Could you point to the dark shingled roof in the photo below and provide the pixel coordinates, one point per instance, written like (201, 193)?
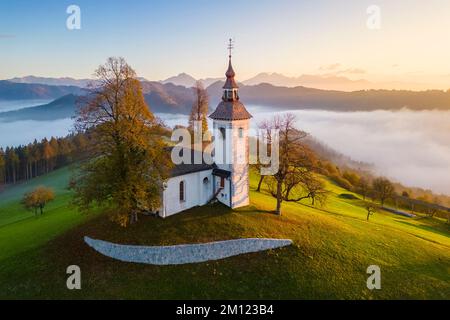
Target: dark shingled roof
(230, 83)
(221, 173)
(186, 168)
(230, 110)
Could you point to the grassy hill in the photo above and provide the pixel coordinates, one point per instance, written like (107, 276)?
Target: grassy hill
(10, 207)
(20, 230)
(333, 246)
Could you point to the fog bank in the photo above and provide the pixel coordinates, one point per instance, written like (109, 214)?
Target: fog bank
(8, 105)
(412, 147)
(23, 132)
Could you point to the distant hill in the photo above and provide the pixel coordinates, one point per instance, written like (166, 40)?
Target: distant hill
(186, 80)
(23, 91)
(162, 98)
(183, 79)
(209, 81)
(177, 99)
(168, 98)
(65, 81)
(61, 108)
(310, 81)
(363, 100)
(318, 81)
(333, 82)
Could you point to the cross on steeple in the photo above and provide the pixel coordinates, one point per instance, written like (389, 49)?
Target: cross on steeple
(230, 47)
(230, 88)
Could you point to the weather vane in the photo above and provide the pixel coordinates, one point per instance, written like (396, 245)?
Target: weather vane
(230, 47)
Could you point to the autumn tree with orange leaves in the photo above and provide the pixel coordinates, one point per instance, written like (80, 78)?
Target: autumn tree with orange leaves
(128, 164)
(38, 199)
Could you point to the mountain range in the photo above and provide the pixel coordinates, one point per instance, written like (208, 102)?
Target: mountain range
(325, 82)
(23, 91)
(318, 81)
(65, 81)
(186, 80)
(177, 99)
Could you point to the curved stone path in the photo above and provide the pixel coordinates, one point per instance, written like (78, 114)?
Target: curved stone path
(187, 253)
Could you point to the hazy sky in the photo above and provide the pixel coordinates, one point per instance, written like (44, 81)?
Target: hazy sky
(163, 38)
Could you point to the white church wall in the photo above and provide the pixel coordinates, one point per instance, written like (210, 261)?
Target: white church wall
(240, 190)
(197, 192)
(239, 172)
(236, 149)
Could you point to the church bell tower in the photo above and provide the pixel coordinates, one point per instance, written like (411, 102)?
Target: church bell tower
(231, 122)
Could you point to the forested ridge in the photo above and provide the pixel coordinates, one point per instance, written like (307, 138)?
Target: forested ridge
(40, 157)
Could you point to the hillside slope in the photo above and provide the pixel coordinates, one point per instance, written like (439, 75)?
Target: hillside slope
(176, 99)
(23, 91)
(333, 247)
(64, 107)
(296, 98)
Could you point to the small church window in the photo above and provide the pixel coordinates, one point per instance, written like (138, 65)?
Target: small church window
(222, 182)
(241, 133)
(182, 193)
(222, 132)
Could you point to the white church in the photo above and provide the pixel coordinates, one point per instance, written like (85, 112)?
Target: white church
(227, 179)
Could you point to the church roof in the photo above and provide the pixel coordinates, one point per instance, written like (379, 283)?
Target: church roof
(221, 173)
(230, 83)
(230, 110)
(186, 168)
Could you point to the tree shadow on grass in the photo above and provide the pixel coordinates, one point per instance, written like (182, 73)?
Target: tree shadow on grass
(426, 228)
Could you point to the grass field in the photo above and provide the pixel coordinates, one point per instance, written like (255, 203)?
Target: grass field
(10, 207)
(21, 230)
(333, 246)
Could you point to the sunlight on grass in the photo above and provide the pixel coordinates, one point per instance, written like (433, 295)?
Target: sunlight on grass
(333, 246)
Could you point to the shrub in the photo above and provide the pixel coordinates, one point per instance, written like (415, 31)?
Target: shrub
(38, 198)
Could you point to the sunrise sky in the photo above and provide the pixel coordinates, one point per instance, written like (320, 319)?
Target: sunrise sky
(163, 38)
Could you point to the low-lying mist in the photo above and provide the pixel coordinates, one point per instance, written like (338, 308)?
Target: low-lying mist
(23, 132)
(411, 147)
(8, 105)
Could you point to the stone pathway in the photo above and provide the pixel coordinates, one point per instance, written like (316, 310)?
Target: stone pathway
(187, 253)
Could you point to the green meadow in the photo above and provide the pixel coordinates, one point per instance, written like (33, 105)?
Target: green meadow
(333, 246)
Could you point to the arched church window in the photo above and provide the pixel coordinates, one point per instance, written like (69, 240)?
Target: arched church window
(205, 180)
(222, 132)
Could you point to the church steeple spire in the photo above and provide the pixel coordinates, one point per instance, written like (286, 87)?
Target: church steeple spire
(230, 108)
(230, 88)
